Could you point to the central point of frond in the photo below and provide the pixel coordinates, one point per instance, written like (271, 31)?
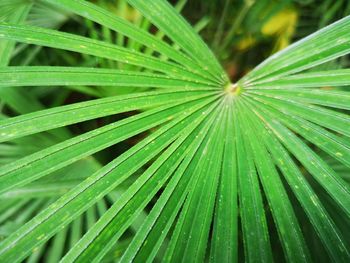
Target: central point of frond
(233, 89)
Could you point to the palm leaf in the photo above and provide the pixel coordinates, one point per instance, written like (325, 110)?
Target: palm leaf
(219, 165)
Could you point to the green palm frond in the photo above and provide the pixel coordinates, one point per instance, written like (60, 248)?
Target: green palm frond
(218, 165)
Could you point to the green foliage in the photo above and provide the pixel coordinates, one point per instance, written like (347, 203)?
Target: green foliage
(171, 162)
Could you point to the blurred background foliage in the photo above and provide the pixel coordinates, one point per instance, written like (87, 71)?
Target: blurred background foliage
(241, 34)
